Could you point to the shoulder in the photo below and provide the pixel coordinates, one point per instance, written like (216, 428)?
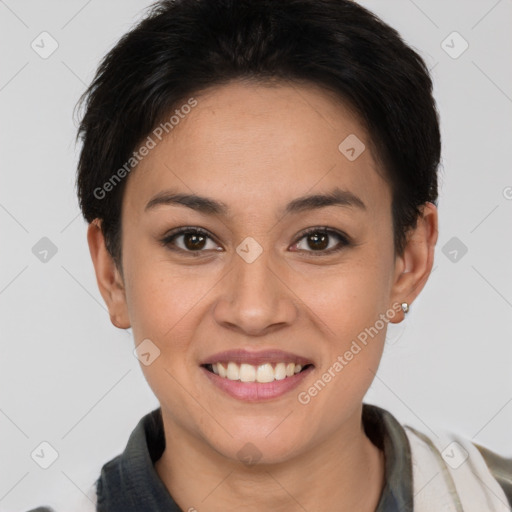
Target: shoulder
(78, 502)
(500, 467)
(450, 466)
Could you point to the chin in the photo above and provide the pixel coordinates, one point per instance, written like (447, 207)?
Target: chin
(260, 449)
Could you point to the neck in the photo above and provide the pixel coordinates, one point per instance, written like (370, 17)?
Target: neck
(345, 472)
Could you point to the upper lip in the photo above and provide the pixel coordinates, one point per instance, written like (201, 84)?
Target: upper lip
(256, 358)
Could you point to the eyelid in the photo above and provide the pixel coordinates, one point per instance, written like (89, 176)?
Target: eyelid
(323, 229)
(345, 240)
(183, 230)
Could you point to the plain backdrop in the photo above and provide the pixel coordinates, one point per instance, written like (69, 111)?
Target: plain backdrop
(68, 377)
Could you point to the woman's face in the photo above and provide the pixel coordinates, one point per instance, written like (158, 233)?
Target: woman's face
(256, 283)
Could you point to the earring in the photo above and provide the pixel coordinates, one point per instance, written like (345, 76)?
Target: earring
(405, 307)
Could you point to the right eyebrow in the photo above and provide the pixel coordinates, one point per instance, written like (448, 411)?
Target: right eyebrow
(201, 204)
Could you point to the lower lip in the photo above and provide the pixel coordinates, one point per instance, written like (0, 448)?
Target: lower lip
(257, 391)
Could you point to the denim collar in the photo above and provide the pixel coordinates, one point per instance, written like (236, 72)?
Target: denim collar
(130, 483)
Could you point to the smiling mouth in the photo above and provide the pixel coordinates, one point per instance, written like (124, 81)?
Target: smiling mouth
(263, 373)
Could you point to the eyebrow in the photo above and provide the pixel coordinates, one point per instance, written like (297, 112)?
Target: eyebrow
(208, 206)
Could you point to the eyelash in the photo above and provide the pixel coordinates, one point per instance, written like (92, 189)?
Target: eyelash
(344, 240)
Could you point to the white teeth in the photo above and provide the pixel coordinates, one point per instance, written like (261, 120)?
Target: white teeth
(262, 373)
(222, 371)
(265, 373)
(247, 372)
(233, 371)
(280, 371)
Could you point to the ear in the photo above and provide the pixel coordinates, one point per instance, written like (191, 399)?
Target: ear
(109, 279)
(414, 266)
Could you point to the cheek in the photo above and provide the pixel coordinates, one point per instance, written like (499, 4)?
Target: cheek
(352, 303)
(350, 297)
(160, 296)
(350, 311)
(165, 307)
(163, 303)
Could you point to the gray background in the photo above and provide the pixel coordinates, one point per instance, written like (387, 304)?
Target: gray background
(69, 377)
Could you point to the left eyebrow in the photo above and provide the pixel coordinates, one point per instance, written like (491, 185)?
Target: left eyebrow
(209, 206)
(336, 197)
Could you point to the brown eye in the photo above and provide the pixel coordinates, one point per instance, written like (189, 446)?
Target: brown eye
(318, 241)
(323, 241)
(194, 242)
(189, 240)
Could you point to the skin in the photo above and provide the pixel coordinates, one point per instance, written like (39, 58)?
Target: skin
(256, 148)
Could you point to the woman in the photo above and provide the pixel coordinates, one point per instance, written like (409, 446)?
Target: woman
(260, 182)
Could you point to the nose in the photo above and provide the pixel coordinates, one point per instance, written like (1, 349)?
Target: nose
(255, 299)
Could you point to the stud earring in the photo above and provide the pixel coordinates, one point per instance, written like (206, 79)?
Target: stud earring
(405, 307)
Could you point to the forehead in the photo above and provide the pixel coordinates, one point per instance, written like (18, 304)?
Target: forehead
(244, 141)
